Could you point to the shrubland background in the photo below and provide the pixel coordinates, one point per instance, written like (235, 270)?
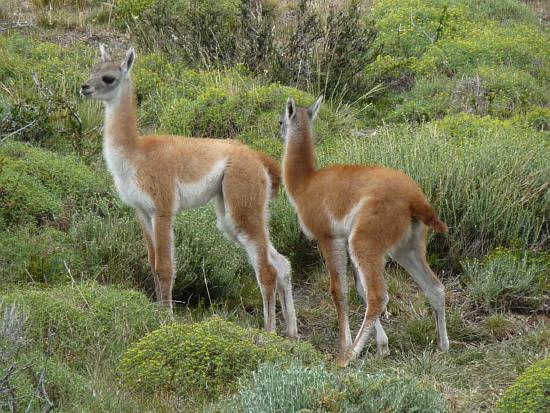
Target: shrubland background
(453, 92)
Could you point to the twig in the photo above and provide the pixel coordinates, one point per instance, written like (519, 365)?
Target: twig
(206, 284)
(17, 25)
(17, 131)
(41, 387)
(430, 38)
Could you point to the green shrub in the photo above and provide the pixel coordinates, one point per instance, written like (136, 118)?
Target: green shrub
(90, 323)
(510, 91)
(65, 176)
(42, 104)
(23, 199)
(517, 46)
(204, 357)
(538, 119)
(68, 389)
(507, 280)
(274, 388)
(298, 388)
(40, 186)
(529, 394)
(31, 256)
(427, 100)
(406, 36)
(463, 126)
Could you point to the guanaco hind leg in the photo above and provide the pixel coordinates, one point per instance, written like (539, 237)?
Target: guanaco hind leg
(411, 255)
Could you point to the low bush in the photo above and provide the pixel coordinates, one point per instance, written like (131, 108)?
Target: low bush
(529, 394)
(41, 187)
(427, 100)
(302, 389)
(90, 324)
(24, 363)
(204, 357)
(28, 255)
(506, 280)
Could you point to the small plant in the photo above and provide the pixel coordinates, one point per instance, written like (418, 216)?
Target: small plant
(204, 357)
(506, 280)
(529, 394)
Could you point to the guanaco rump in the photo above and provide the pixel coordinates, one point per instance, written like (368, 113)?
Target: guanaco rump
(161, 175)
(367, 212)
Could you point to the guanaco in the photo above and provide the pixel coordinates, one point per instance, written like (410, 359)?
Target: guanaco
(162, 175)
(367, 212)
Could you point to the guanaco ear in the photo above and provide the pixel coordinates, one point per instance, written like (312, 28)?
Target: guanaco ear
(105, 56)
(313, 110)
(128, 61)
(290, 110)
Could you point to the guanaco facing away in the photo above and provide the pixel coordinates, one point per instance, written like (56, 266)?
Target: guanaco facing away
(368, 212)
(161, 175)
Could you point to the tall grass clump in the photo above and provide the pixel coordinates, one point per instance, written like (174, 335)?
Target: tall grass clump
(491, 188)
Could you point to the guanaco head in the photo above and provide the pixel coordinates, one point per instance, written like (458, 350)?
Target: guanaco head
(108, 75)
(295, 118)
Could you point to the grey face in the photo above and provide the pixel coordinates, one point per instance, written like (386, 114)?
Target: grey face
(103, 82)
(283, 125)
(107, 76)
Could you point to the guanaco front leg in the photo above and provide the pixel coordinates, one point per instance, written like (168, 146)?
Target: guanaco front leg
(335, 254)
(164, 257)
(146, 225)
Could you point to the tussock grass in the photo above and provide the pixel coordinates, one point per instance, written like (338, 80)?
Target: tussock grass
(492, 190)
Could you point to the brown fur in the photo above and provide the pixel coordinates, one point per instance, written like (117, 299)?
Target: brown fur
(385, 205)
(161, 165)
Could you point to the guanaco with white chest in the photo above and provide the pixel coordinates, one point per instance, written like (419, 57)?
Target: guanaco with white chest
(161, 175)
(368, 212)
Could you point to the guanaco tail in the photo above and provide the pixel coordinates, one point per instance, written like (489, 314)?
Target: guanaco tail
(162, 175)
(368, 213)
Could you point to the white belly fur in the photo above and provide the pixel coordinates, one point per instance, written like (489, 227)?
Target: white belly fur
(194, 194)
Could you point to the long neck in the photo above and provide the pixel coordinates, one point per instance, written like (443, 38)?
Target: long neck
(299, 157)
(121, 129)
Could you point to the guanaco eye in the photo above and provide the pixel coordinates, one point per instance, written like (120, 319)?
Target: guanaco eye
(108, 79)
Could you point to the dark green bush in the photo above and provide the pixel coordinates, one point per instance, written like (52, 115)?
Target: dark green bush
(90, 323)
(203, 31)
(204, 357)
(507, 280)
(529, 394)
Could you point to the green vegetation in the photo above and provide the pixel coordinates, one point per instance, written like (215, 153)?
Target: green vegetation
(301, 389)
(70, 334)
(529, 394)
(204, 357)
(452, 92)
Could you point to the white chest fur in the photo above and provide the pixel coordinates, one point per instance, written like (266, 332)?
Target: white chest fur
(125, 177)
(196, 193)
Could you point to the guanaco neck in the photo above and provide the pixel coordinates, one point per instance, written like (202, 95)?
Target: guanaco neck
(121, 131)
(299, 157)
